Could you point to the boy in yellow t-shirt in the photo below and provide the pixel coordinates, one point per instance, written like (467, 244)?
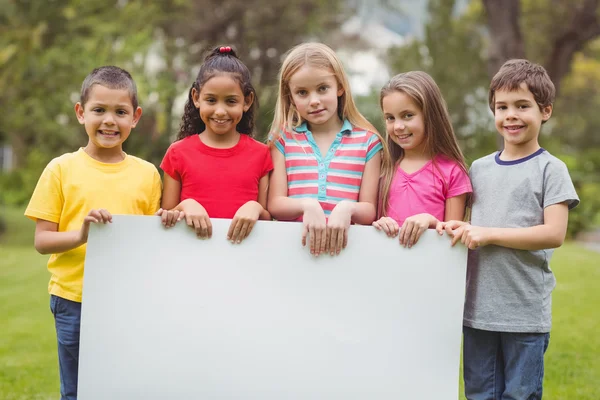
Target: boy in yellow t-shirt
(84, 187)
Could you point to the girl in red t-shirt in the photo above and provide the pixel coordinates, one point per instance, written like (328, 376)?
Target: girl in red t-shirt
(215, 169)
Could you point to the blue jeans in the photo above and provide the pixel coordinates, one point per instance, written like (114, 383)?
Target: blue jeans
(503, 365)
(67, 319)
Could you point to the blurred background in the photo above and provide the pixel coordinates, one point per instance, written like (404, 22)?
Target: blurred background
(48, 47)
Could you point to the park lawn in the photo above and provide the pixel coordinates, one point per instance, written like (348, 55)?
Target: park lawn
(29, 366)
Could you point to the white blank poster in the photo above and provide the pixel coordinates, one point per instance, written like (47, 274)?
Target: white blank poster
(169, 316)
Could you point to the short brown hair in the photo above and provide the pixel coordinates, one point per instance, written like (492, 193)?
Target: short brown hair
(111, 77)
(514, 72)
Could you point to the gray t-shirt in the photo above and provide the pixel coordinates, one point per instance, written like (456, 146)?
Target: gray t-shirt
(510, 290)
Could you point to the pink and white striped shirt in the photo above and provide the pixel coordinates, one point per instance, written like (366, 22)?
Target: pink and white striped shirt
(334, 176)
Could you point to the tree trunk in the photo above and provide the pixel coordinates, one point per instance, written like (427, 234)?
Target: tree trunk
(584, 27)
(506, 41)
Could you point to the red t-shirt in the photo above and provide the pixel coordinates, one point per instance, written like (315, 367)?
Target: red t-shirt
(222, 180)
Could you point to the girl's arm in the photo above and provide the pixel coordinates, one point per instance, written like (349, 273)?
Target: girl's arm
(365, 211)
(171, 193)
(246, 216)
(284, 208)
(362, 212)
(263, 191)
(414, 226)
(455, 208)
(49, 241)
(279, 204)
(195, 215)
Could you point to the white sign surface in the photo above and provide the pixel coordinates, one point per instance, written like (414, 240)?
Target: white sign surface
(169, 316)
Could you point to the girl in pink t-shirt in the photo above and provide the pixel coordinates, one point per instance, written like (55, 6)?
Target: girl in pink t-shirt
(426, 181)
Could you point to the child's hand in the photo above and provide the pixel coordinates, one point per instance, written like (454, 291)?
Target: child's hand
(440, 227)
(94, 216)
(471, 236)
(243, 221)
(413, 227)
(337, 227)
(170, 217)
(196, 217)
(314, 225)
(451, 225)
(388, 225)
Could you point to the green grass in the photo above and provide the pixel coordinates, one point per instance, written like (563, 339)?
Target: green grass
(29, 365)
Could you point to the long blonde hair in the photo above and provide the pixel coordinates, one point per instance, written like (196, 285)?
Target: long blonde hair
(316, 55)
(439, 135)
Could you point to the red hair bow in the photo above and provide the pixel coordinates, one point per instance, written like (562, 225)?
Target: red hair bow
(225, 49)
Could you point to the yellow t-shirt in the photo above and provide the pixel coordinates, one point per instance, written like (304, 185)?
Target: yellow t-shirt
(75, 183)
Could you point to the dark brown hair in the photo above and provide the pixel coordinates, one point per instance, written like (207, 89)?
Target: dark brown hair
(112, 78)
(514, 72)
(219, 62)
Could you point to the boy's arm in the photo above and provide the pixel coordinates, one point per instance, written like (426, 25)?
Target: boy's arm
(49, 241)
(549, 235)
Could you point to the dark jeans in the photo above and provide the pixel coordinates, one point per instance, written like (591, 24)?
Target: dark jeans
(67, 319)
(503, 365)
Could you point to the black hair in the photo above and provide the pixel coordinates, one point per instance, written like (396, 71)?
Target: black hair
(219, 60)
(111, 77)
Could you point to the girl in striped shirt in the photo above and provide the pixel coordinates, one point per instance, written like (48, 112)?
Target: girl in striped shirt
(326, 156)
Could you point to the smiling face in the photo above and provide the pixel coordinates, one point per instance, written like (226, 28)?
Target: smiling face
(518, 118)
(315, 93)
(108, 117)
(404, 122)
(221, 104)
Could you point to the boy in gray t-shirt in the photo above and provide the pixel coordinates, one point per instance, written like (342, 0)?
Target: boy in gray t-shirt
(522, 196)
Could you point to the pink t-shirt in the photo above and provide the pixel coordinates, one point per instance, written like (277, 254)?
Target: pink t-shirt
(426, 190)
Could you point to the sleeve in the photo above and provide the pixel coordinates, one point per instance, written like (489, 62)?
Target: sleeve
(373, 146)
(279, 143)
(170, 164)
(458, 183)
(268, 163)
(156, 194)
(558, 186)
(47, 199)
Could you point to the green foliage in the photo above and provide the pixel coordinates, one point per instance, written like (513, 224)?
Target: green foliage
(16, 187)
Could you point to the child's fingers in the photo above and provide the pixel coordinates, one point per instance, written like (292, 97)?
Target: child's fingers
(159, 212)
(235, 236)
(405, 232)
(232, 228)
(333, 234)
(203, 228)
(304, 233)
(345, 239)
(243, 231)
(249, 229)
(339, 242)
(456, 235)
(439, 227)
(209, 227)
(376, 225)
(323, 247)
(311, 239)
(104, 215)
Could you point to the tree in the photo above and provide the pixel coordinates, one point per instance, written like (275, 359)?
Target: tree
(566, 39)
